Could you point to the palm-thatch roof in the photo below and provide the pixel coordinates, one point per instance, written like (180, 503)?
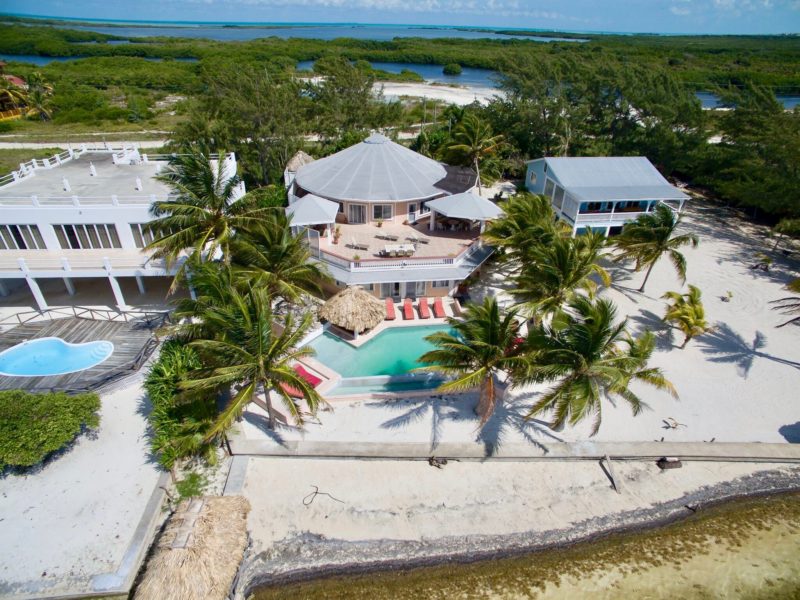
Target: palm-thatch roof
(298, 160)
(354, 309)
(199, 551)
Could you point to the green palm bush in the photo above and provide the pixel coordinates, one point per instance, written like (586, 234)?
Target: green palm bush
(474, 143)
(591, 358)
(650, 237)
(687, 312)
(482, 346)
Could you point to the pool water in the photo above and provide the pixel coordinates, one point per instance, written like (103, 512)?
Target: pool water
(52, 356)
(392, 352)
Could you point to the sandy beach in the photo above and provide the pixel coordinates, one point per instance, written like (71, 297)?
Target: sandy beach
(376, 514)
(445, 93)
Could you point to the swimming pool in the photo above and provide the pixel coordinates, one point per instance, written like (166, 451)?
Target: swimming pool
(392, 352)
(52, 356)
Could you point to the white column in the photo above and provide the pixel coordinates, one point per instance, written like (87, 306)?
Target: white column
(432, 223)
(192, 293)
(140, 284)
(35, 289)
(115, 286)
(329, 234)
(69, 285)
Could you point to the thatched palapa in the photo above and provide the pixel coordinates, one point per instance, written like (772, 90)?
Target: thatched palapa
(199, 551)
(354, 309)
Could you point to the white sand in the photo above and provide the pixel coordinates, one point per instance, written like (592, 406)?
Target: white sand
(396, 500)
(76, 517)
(728, 389)
(446, 93)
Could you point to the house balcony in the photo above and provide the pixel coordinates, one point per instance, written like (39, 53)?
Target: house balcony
(80, 263)
(357, 257)
(606, 217)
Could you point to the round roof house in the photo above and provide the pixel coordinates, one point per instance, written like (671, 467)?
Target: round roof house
(375, 170)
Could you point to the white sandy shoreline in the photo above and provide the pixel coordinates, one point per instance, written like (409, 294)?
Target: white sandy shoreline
(413, 514)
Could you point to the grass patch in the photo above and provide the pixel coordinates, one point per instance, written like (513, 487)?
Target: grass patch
(34, 426)
(10, 159)
(191, 486)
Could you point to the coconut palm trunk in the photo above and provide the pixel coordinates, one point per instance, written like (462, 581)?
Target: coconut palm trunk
(647, 275)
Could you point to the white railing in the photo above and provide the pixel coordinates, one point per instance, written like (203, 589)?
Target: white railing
(83, 312)
(617, 217)
(107, 262)
(62, 201)
(382, 264)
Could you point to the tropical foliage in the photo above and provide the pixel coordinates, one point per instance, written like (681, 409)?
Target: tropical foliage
(252, 352)
(789, 305)
(591, 358)
(687, 313)
(34, 426)
(650, 237)
(480, 347)
(473, 144)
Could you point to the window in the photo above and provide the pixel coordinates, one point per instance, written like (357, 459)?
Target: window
(558, 197)
(533, 178)
(381, 211)
(142, 236)
(87, 237)
(20, 237)
(443, 283)
(548, 188)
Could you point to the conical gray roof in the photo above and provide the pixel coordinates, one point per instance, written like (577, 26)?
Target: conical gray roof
(374, 170)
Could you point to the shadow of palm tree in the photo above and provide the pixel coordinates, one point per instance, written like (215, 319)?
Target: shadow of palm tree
(437, 408)
(646, 320)
(509, 417)
(724, 345)
(262, 422)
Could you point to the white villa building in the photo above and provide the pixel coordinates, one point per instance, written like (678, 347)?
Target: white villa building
(601, 193)
(79, 215)
(388, 219)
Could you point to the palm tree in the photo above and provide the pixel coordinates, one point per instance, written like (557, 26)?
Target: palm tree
(38, 104)
(687, 312)
(10, 93)
(652, 235)
(592, 358)
(203, 212)
(473, 141)
(791, 304)
(253, 354)
(275, 258)
(528, 221)
(481, 346)
(553, 274)
(790, 227)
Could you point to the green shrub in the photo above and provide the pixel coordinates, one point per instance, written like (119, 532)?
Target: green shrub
(33, 426)
(191, 486)
(178, 421)
(452, 69)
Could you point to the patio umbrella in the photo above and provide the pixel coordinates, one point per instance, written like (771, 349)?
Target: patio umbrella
(354, 309)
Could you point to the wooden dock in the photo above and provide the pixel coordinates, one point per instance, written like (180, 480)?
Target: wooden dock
(133, 342)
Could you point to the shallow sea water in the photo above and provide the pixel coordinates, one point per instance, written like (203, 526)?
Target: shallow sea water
(748, 548)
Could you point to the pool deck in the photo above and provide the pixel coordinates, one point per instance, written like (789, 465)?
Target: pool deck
(133, 341)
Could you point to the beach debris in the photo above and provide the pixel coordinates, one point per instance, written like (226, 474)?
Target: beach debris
(437, 462)
(605, 464)
(690, 507)
(670, 423)
(665, 462)
(309, 499)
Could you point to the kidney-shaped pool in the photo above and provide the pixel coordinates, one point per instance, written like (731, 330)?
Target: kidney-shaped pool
(52, 356)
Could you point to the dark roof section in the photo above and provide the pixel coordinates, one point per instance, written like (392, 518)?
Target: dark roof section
(457, 180)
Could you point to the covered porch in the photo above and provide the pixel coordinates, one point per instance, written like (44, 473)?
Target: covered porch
(462, 212)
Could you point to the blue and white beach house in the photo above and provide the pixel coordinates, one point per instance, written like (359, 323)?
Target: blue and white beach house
(601, 193)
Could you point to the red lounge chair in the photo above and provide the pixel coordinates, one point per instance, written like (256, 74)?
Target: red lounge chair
(390, 316)
(408, 310)
(312, 380)
(438, 309)
(424, 311)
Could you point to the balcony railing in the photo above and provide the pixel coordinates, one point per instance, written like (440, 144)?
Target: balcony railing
(607, 217)
(77, 261)
(396, 264)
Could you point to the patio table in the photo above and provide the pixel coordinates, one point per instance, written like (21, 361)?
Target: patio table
(399, 248)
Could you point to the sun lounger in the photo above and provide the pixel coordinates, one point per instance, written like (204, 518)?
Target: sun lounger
(408, 310)
(424, 311)
(311, 379)
(390, 316)
(438, 309)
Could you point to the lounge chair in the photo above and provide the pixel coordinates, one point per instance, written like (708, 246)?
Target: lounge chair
(357, 245)
(408, 310)
(438, 309)
(311, 379)
(391, 238)
(390, 316)
(423, 240)
(424, 311)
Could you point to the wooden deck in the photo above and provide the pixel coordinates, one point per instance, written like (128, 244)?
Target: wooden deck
(133, 342)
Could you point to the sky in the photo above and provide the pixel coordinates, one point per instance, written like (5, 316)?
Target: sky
(653, 16)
